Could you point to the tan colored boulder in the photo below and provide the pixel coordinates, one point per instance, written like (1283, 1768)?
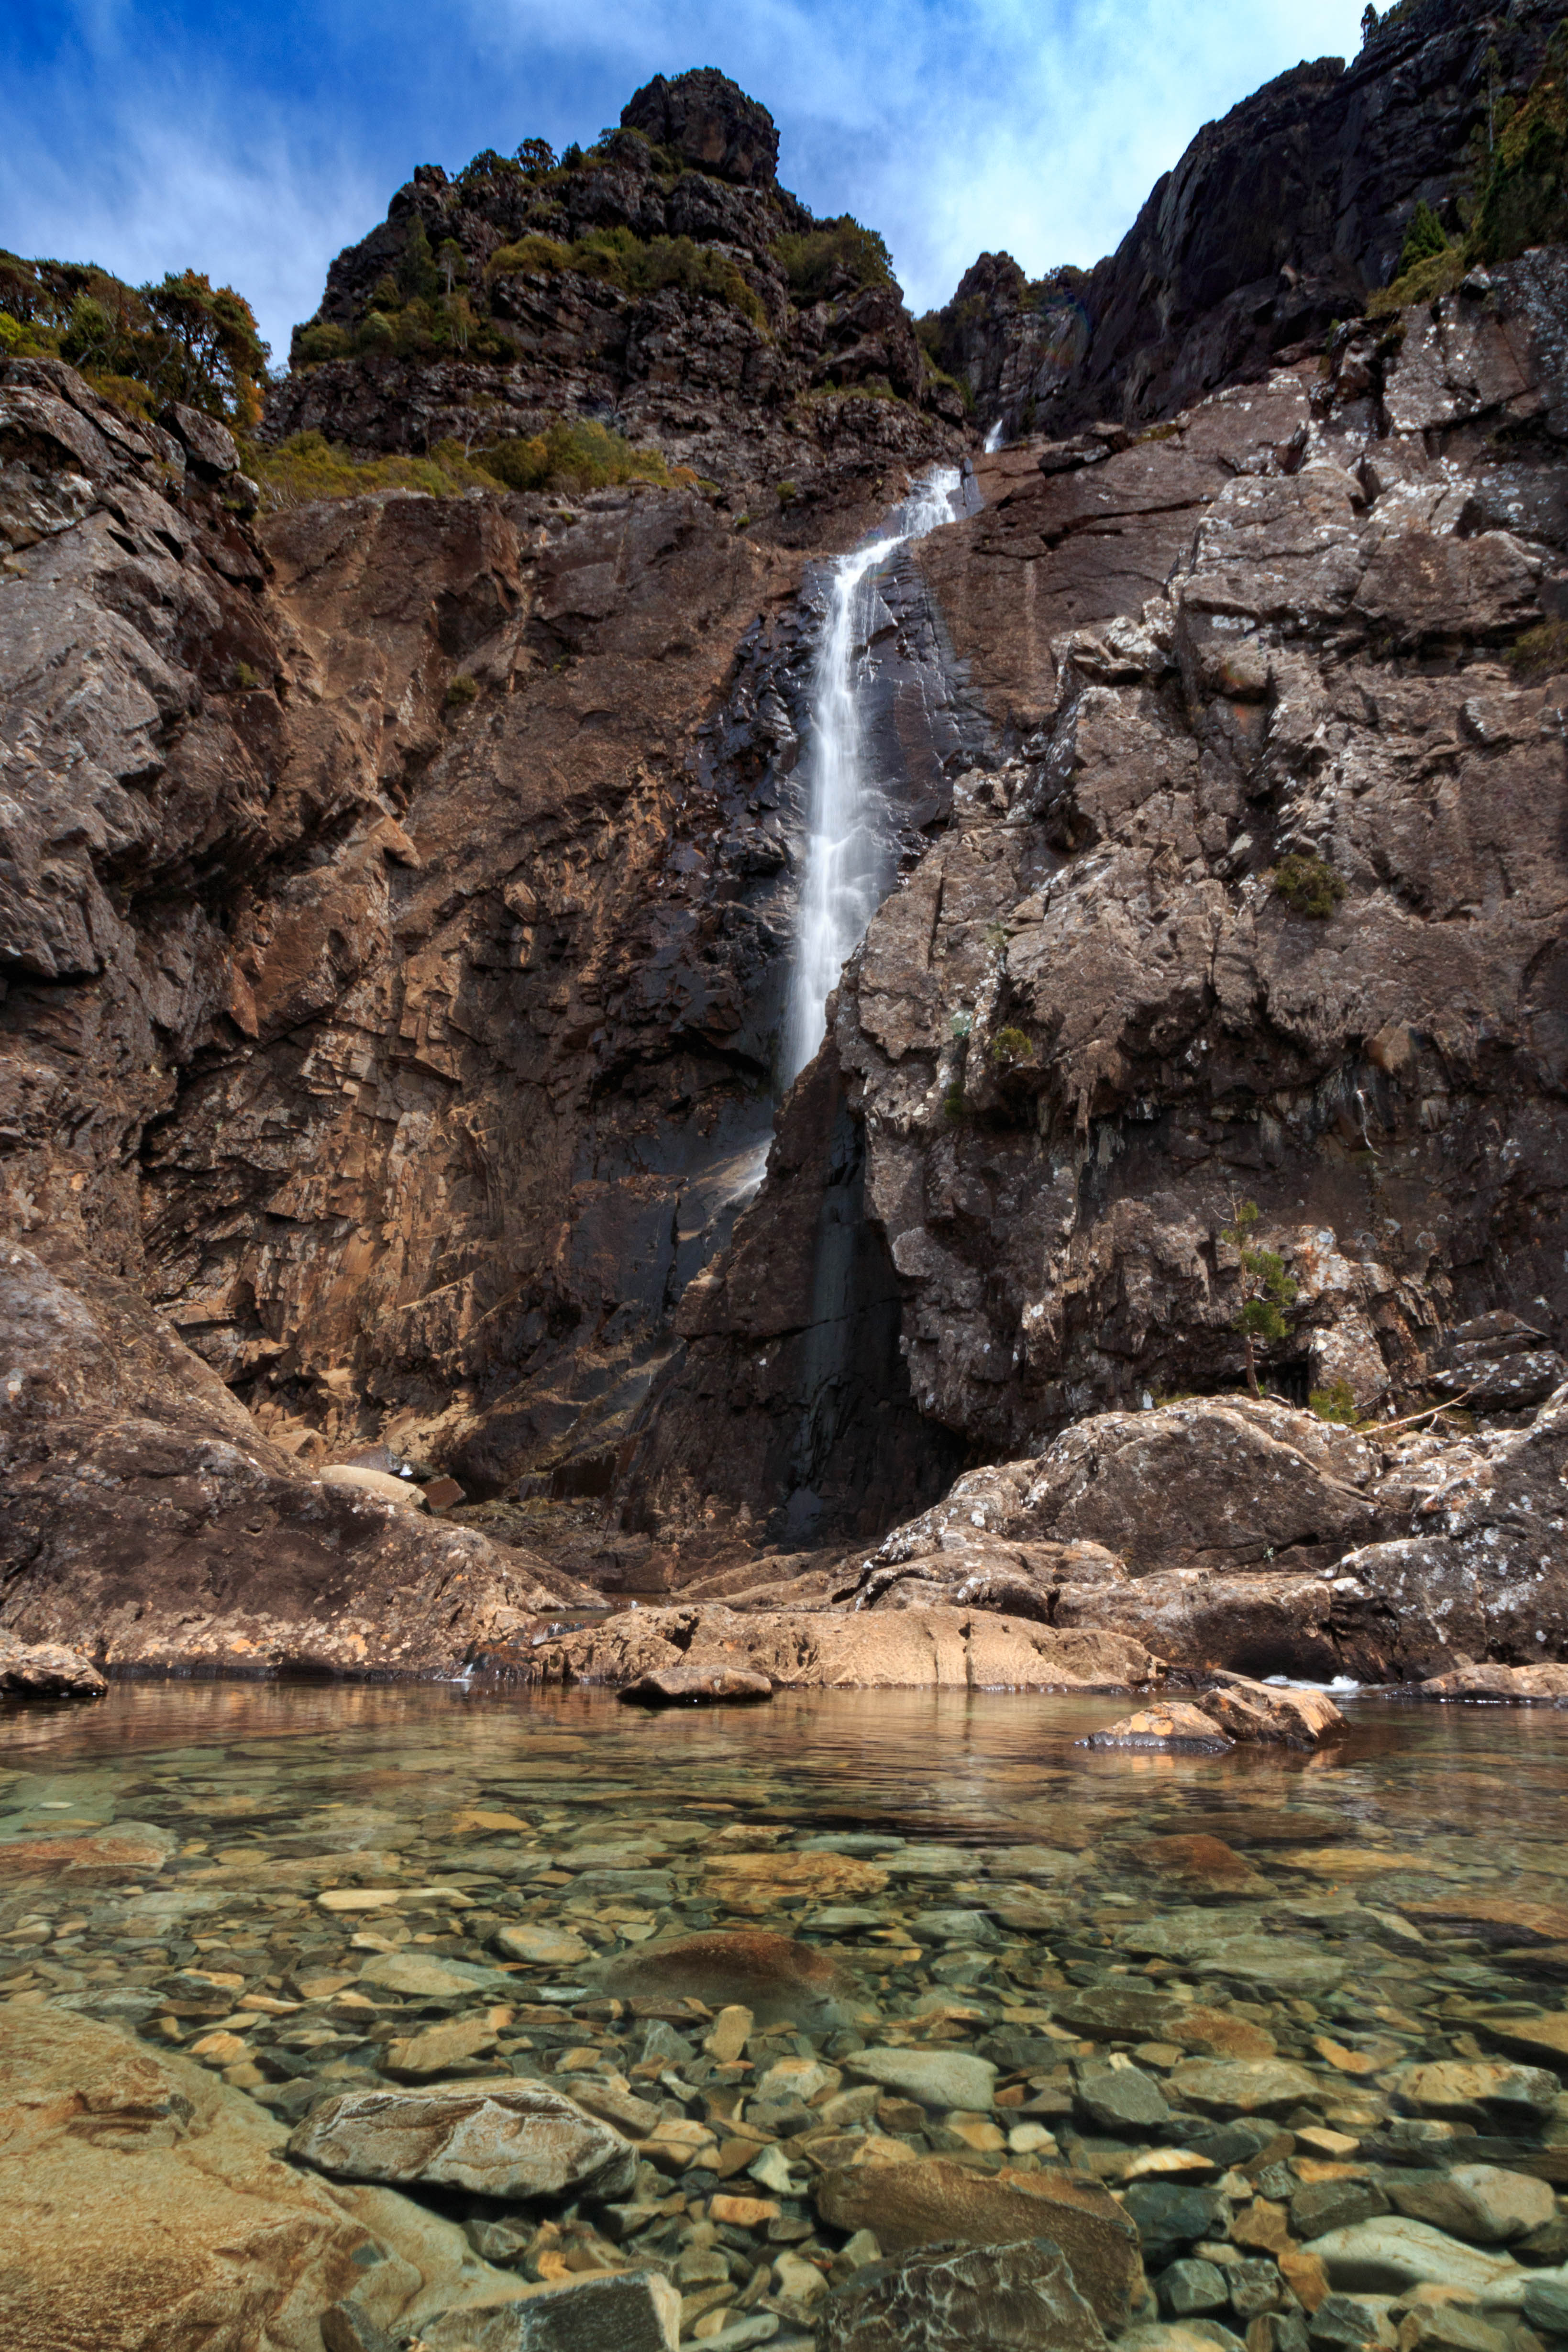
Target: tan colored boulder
(379, 1483)
(126, 1850)
(149, 2204)
(698, 1686)
(919, 1649)
(1262, 1714)
(46, 1670)
(1515, 1684)
(1166, 1726)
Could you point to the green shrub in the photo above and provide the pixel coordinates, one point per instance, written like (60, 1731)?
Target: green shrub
(1437, 275)
(814, 259)
(1009, 1047)
(538, 255)
(460, 691)
(1541, 652)
(246, 678)
(1525, 199)
(306, 467)
(787, 493)
(321, 341)
(574, 452)
(1308, 885)
(1424, 240)
(1336, 1401)
(952, 1104)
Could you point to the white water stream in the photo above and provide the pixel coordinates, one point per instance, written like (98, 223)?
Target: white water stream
(850, 858)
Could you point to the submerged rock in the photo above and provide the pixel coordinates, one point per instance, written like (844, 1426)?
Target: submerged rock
(958, 2299)
(772, 1975)
(637, 2311)
(502, 2140)
(148, 2201)
(934, 2201)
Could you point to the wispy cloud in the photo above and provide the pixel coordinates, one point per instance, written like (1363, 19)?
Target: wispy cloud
(254, 148)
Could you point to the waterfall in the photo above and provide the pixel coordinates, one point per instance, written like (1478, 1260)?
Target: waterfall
(993, 441)
(850, 858)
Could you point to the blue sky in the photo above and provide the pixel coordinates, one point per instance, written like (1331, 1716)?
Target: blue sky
(253, 141)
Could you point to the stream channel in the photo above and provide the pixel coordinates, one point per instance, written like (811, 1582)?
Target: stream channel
(1300, 2018)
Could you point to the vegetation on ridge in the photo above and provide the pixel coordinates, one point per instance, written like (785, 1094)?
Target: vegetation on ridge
(183, 339)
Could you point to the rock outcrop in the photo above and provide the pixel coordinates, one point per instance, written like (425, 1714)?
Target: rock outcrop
(664, 278)
(936, 1649)
(43, 1670)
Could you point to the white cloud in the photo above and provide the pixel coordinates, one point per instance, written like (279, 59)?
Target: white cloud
(180, 191)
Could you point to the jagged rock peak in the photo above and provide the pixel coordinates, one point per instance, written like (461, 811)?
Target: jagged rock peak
(708, 120)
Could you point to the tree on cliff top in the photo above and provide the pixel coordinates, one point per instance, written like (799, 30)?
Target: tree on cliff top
(183, 339)
(1266, 1287)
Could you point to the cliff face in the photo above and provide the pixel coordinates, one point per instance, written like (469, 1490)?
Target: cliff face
(398, 895)
(1261, 897)
(1278, 222)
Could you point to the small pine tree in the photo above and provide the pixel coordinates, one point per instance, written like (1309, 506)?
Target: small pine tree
(537, 156)
(1266, 1287)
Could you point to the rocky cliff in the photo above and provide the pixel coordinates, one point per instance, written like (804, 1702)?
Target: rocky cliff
(398, 895)
(664, 280)
(1257, 896)
(1277, 223)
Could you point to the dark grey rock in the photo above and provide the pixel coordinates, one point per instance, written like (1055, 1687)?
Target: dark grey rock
(957, 2298)
(1194, 2286)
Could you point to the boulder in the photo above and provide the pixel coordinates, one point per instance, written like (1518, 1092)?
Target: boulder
(1517, 1685)
(1388, 2255)
(508, 2139)
(1259, 1714)
(934, 2202)
(144, 2195)
(46, 1670)
(937, 2078)
(1481, 2204)
(634, 2310)
(382, 1484)
(954, 2299)
(1174, 1725)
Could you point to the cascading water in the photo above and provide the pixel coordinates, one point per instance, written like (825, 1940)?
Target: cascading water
(993, 441)
(851, 855)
